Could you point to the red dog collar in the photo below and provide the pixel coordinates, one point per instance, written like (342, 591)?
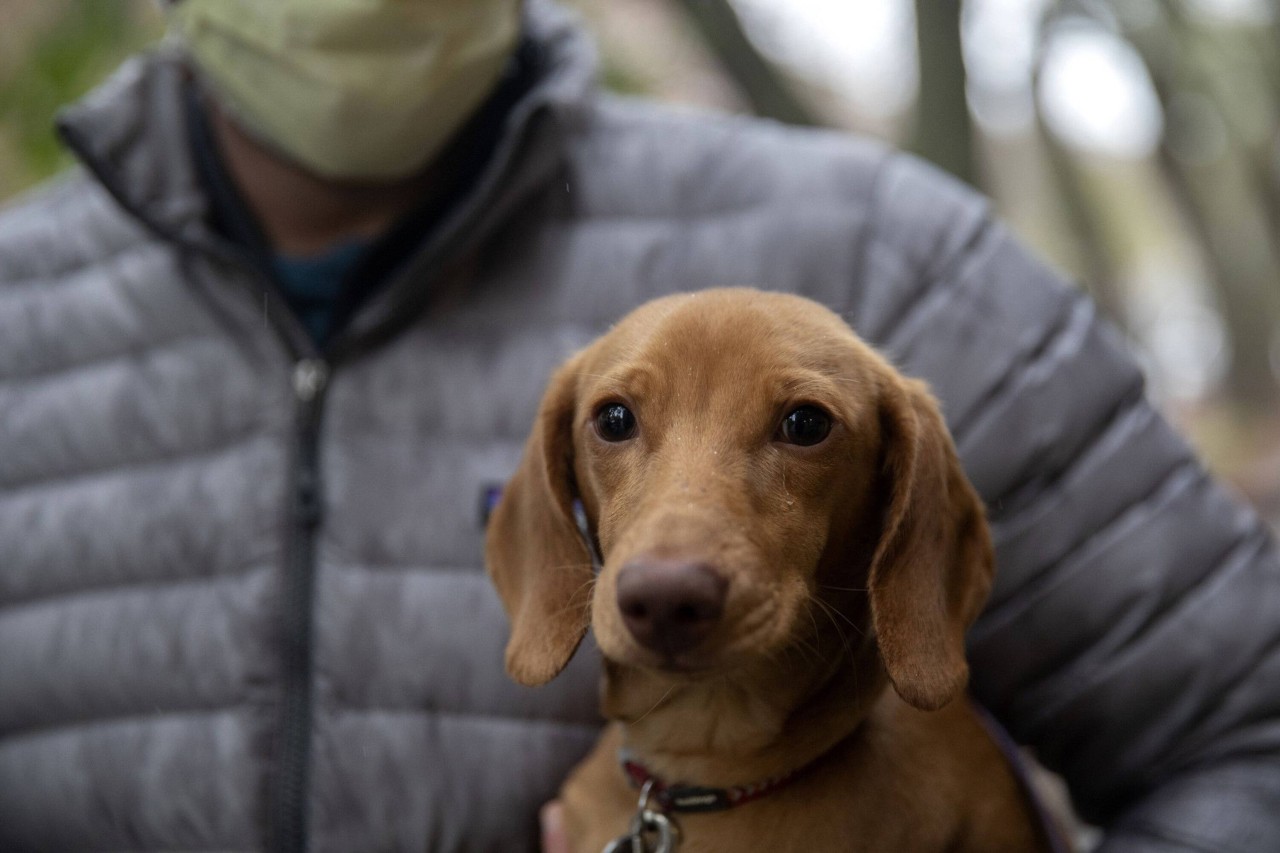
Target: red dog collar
(680, 797)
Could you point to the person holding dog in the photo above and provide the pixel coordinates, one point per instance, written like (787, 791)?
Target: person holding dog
(267, 356)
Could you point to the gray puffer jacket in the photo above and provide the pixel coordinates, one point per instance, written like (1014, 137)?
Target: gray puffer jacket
(241, 597)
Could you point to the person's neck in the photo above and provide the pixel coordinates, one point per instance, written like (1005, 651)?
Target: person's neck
(301, 213)
(756, 723)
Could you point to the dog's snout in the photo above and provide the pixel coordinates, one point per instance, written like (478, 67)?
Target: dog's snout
(670, 606)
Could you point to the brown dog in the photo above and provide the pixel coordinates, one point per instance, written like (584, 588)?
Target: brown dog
(785, 531)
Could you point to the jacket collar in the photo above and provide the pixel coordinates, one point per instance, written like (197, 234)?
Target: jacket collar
(132, 134)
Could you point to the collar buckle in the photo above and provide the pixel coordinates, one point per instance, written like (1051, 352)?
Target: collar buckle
(651, 830)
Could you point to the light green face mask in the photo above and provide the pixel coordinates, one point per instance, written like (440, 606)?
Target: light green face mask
(350, 89)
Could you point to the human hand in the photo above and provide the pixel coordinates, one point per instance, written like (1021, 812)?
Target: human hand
(552, 819)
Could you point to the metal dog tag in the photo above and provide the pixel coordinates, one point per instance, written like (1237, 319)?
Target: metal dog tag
(650, 832)
(628, 843)
(632, 842)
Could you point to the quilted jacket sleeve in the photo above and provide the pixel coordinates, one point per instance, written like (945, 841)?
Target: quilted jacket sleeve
(1133, 637)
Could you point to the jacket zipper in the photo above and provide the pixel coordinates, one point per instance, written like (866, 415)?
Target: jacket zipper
(288, 796)
(310, 380)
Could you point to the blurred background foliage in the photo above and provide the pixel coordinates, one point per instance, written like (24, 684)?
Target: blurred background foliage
(51, 52)
(1134, 143)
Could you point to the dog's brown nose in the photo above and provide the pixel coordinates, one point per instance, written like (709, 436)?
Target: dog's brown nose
(670, 606)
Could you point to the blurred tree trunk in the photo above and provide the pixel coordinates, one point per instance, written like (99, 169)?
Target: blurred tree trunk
(1247, 278)
(1225, 204)
(1093, 253)
(943, 129)
(1258, 158)
(1096, 264)
(764, 88)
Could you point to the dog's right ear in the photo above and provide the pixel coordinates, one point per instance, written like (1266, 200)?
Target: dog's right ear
(933, 565)
(535, 554)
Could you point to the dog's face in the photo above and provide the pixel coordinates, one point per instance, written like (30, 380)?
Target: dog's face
(719, 449)
(739, 455)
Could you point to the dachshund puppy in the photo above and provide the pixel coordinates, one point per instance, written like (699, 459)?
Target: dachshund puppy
(789, 557)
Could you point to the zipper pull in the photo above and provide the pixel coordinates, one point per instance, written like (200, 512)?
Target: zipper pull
(309, 378)
(310, 375)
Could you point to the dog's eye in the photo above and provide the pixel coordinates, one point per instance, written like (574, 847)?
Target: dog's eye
(615, 422)
(805, 426)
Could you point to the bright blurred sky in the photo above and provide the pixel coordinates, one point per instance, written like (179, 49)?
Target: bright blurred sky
(1095, 92)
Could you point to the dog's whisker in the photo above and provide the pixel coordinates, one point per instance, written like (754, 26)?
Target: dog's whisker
(584, 617)
(831, 613)
(584, 605)
(835, 610)
(813, 619)
(814, 644)
(844, 588)
(567, 566)
(826, 611)
(809, 649)
(662, 699)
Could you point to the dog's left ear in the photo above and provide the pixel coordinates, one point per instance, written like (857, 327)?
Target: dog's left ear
(535, 554)
(933, 565)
